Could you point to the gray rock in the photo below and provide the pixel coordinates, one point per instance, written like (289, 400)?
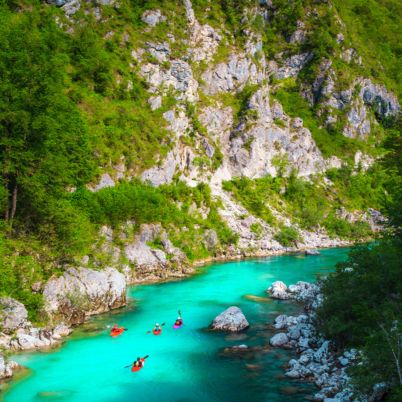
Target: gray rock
(153, 17)
(61, 330)
(13, 315)
(81, 292)
(232, 319)
(312, 252)
(105, 181)
(284, 321)
(155, 102)
(232, 75)
(280, 339)
(293, 65)
(6, 367)
(160, 51)
(211, 239)
(209, 149)
(294, 333)
(278, 290)
(322, 352)
(71, 7)
(383, 102)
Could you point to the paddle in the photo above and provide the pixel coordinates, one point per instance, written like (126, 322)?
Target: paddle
(145, 357)
(148, 332)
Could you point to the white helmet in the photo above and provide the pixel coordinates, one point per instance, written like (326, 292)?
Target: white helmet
(157, 324)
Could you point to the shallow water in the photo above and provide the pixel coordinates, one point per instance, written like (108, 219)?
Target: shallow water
(187, 364)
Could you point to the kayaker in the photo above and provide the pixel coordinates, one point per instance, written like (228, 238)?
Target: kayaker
(179, 320)
(157, 328)
(115, 328)
(138, 362)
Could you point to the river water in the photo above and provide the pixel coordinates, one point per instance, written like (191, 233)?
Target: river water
(187, 364)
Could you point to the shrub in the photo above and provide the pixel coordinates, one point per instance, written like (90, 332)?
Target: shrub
(287, 236)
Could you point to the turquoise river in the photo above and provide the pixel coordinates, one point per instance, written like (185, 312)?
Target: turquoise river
(185, 365)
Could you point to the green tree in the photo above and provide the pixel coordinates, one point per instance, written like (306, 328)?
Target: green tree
(44, 143)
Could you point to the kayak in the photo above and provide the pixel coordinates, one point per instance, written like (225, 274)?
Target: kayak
(116, 332)
(135, 368)
(155, 332)
(175, 326)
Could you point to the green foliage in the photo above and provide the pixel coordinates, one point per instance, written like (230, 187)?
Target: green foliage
(256, 229)
(373, 29)
(310, 203)
(362, 299)
(362, 309)
(338, 227)
(287, 236)
(143, 203)
(18, 271)
(254, 195)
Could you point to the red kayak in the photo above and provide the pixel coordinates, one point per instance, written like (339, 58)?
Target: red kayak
(155, 332)
(116, 332)
(138, 368)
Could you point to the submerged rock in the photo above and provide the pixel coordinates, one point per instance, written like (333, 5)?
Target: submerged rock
(231, 319)
(312, 252)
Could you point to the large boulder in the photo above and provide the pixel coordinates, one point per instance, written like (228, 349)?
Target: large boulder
(6, 367)
(13, 315)
(82, 292)
(231, 319)
(278, 290)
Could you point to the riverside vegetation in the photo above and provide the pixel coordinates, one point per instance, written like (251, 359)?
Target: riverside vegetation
(247, 126)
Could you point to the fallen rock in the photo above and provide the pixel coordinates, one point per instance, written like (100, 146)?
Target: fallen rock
(13, 315)
(280, 339)
(232, 320)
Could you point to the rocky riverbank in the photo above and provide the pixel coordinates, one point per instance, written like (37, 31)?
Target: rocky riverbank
(81, 292)
(318, 360)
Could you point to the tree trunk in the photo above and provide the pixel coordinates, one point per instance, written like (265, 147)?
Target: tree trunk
(14, 202)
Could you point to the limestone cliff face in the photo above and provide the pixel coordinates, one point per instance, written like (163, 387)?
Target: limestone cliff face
(259, 139)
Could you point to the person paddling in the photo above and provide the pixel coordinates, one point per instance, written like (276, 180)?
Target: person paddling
(179, 320)
(139, 362)
(157, 328)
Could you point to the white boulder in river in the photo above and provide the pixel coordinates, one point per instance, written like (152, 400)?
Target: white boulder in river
(231, 319)
(278, 290)
(81, 292)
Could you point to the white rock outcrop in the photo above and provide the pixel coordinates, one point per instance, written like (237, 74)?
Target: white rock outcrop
(7, 367)
(232, 319)
(81, 292)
